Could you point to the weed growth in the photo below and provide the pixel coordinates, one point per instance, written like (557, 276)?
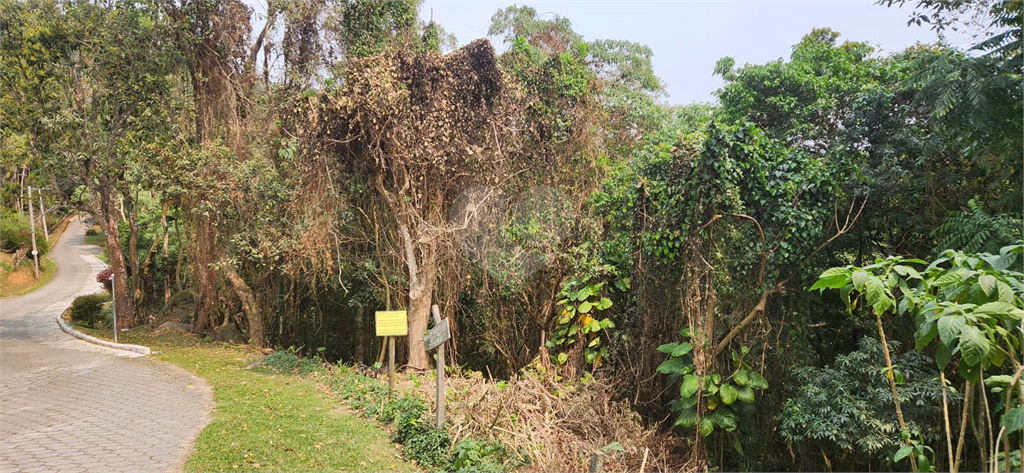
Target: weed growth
(289, 362)
(429, 446)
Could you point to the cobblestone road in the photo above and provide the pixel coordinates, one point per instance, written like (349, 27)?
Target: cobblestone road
(67, 405)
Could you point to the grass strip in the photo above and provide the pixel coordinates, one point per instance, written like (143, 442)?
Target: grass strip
(265, 421)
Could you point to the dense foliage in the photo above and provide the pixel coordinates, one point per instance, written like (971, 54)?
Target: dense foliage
(286, 183)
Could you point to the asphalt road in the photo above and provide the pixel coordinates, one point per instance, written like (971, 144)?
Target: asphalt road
(67, 405)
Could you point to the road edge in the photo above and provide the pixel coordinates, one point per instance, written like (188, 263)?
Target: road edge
(67, 328)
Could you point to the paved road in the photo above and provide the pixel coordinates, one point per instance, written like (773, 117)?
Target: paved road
(67, 405)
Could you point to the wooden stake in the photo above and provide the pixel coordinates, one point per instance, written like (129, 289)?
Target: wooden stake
(391, 366)
(596, 463)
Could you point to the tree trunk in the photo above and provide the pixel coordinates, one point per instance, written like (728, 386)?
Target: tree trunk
(21, 195)
(422, 275)
(133, 256)
(144, 279)
(250, 306)
(164, 256)
(359, 348)
(203, 243)
(107, 218)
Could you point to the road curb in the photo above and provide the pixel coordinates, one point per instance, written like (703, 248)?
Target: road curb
(66, 327)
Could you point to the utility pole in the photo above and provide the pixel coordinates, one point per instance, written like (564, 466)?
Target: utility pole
(32, 224)
(42, 216)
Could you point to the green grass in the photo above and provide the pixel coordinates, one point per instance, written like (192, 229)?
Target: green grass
(47, 270)
(96, 239)
(265, 421)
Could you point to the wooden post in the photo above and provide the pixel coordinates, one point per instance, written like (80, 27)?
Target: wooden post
(596, 462)
(391, 324)
(391, 366)
(32, 225)
(440, 371)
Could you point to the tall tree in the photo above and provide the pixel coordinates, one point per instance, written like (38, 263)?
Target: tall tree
(113, 95)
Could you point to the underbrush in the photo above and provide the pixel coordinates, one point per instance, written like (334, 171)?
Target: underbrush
(528, 423)
(413, 425)
(289, 362)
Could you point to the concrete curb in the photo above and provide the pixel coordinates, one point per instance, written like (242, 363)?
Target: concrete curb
(119, 346)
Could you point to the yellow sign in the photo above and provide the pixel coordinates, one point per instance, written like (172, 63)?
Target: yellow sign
(391, 323)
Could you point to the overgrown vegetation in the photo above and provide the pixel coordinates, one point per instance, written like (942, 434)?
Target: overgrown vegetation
(623, 270)
(429, 446)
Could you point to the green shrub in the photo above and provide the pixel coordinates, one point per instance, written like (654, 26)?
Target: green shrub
(289, 362)
(473, 455)
(362, 392)
(428, 445)
(424, 443)
(845, 410)
(87, 310)
(403, 411)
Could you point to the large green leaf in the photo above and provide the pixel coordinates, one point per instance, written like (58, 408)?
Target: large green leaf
(604, 303)
(998, 309)
(725, 419)
(987, 283)
(832, 278)
(877, 296)
(689, 386)
(742, 377)
(859, 277)
(667, 348)
(585, 307)
(687, 418)
(949, 328)
(927, 330)
(902, 453)
(974, 346)
(682, 349)
(745, 394)
(947, 279)
(705, 427)
(757, 381)
(837, 271)
(943, 354)
(1006, 293)
(728, 393)
(1013, 420)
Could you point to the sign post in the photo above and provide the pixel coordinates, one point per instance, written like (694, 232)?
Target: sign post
(391, 324)
(435, 338)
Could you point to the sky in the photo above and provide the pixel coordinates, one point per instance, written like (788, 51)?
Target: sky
(688, 37)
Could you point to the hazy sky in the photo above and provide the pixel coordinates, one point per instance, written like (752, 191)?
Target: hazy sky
(688, 37)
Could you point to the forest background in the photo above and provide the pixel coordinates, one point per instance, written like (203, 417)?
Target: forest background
(280, 186)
